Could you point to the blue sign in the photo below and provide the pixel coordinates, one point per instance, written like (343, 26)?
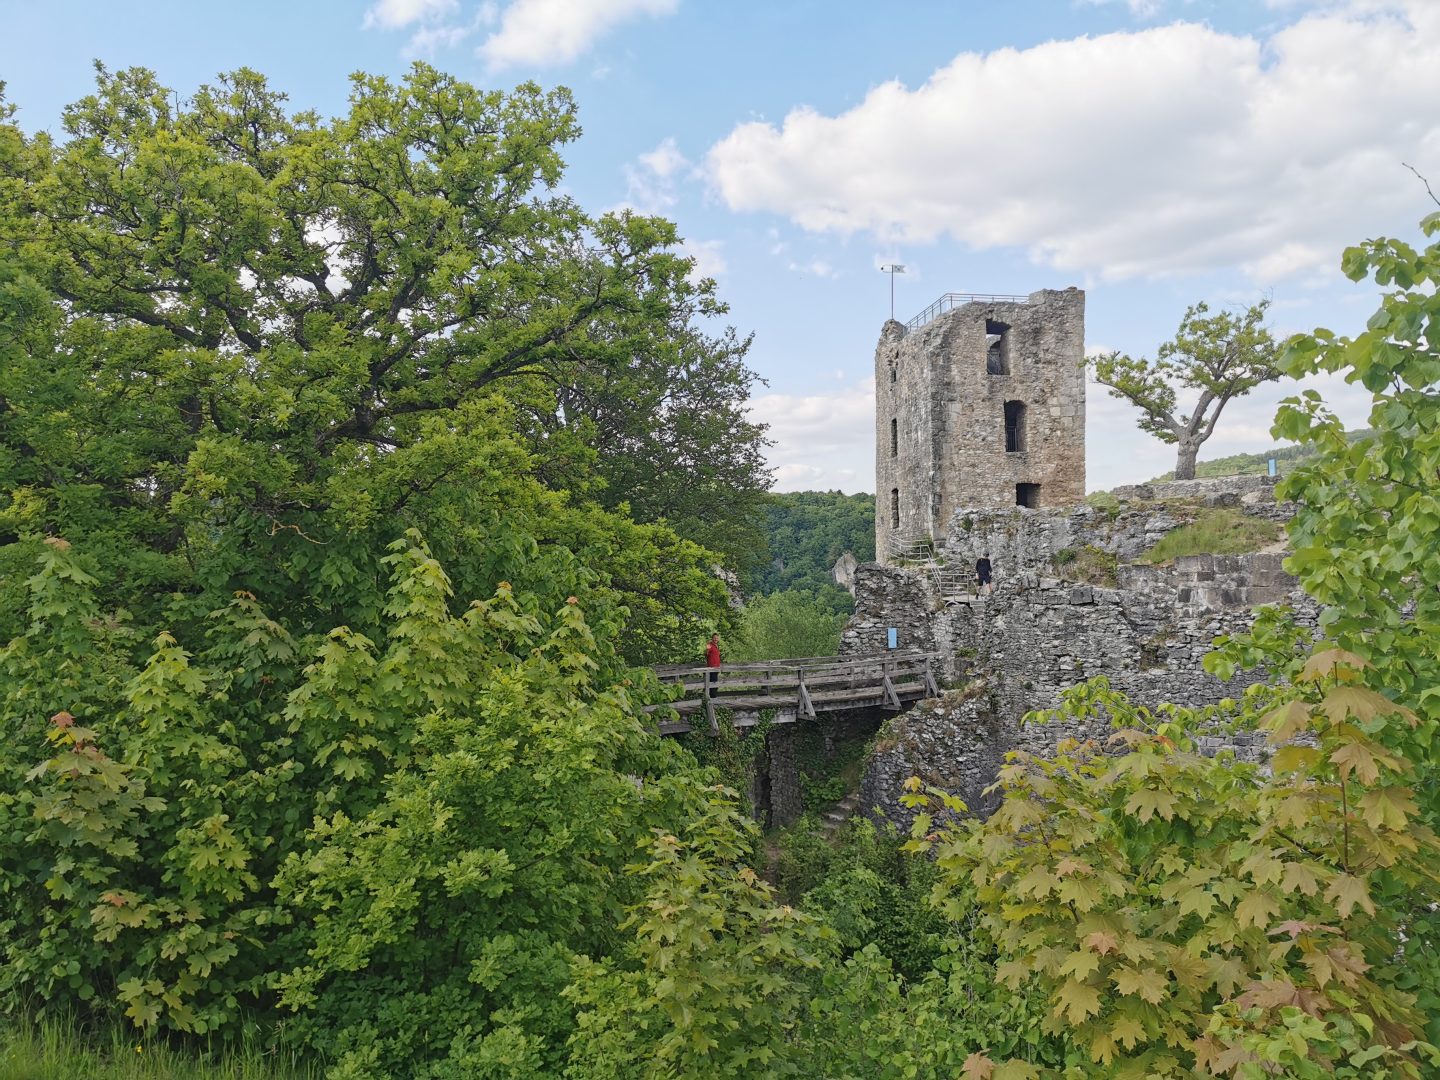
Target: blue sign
(1272, 466)
(894, 637)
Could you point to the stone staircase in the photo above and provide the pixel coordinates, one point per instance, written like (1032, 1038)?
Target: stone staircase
(840, 812)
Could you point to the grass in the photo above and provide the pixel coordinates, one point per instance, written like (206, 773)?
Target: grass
(56, 1050)
(1088, 564)
(1219, 531)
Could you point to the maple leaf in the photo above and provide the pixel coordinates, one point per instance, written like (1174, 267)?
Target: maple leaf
(1127, 1031)
(113, 898)
(1299, 878)
(1146, 803)
(1356, 757)
(1145, 983)
(63, 719)
(1257, 908)
(1388, 808)
(1080, 964)
(1348, 965)
(1328, 660)
(1296, 927)
(1347, 892)
(1362, 704)
(1279, 993)
(1102, 941)
(1076, 1001)
(1067, 866)
(1294, 758)
(1286, 721)
(978, 1066)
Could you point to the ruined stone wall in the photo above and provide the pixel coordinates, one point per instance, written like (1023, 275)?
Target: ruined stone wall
(1038, 634)
(940, 414)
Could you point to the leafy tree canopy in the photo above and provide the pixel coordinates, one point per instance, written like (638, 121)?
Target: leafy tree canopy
(1218, 356)
(806, 531)
(247, 347)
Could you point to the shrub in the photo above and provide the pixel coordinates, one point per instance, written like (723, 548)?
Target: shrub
(1215, 531)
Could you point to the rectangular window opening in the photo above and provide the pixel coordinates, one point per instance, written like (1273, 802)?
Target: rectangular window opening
(997, 348)
(894, 508)
(894, 438)
(1014, 427)
(1027, 495)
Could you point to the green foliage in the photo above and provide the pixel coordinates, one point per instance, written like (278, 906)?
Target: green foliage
(785, 625)
(1221, 357)
(1178, 910)
(253, 347)
(1186, 914)
(53, 1049)
(806, 532)
(1089, 564)
(715, 979)
(1214, 531)
(829, 763)
(731, 752)
(1286, 457)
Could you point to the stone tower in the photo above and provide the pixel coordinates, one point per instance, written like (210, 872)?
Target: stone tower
(979, 402)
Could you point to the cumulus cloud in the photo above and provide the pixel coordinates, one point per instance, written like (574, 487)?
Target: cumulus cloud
(545, 32)
(821, 441)
(1161, 151)
(398, 14)
(709, 256)
(651, 179)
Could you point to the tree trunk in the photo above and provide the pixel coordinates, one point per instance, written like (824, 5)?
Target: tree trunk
(1185, 461)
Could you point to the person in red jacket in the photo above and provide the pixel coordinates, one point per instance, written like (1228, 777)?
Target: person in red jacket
(712, 660)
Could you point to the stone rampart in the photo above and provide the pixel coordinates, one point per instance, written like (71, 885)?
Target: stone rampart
(1146, 628)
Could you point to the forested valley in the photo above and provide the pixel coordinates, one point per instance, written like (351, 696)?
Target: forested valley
(352, 479)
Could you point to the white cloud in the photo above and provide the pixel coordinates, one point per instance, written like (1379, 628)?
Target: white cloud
(1163, 151)
(817, 268)
(651, 180)
(822, 441)
(709, 256)
(398, 14)
(545, 32)
(1141, 9)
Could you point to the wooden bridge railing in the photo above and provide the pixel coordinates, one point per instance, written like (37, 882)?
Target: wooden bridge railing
(806, 685)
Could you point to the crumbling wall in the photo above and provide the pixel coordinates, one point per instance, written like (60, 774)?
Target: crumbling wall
(1038, 634)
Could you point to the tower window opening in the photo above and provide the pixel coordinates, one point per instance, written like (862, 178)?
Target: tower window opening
(894, 508)
(1014, 426)
(1027, 495)
(997, 348)
(892, 373)
(894, 438)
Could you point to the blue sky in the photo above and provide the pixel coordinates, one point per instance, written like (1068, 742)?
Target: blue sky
(1152, 152)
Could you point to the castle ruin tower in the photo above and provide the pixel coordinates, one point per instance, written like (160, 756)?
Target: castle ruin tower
(979, 402)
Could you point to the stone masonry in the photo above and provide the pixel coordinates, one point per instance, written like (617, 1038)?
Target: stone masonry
(1147, 628)
(984, 406)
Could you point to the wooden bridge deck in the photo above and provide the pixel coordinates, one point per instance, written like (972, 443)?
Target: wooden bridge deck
(794, 689)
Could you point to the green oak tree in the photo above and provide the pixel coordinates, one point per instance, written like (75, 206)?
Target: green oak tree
(1218, 356)
(272, 342)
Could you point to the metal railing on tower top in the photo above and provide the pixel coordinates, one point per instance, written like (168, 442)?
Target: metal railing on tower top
(952, 300)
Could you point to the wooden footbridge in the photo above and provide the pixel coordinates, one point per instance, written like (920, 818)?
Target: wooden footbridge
(794, 689)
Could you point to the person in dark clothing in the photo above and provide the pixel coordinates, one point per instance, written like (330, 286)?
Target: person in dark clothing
(982, 572)
(712, 661)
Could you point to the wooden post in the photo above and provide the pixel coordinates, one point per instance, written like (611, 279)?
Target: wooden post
(804, 706)
(930, 684)
(710, 713)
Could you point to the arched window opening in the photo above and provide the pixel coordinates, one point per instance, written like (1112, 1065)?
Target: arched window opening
(997, 348)
(894, 508)
(1014, 426)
